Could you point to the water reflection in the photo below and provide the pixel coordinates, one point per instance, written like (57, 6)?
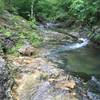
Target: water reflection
(82, 60)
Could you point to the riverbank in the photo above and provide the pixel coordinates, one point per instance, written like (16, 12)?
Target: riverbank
(33, 76)
(50, 81)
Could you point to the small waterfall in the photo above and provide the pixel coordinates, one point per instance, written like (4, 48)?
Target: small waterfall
(76, 45)
(72, 46)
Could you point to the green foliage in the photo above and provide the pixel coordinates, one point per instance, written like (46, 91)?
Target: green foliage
(82, 10)
(33, 23)
(6, 32)
(23, 7)
(34, 38)
(1, 6)
(47, 9)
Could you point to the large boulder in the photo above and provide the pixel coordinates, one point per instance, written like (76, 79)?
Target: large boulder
(95, 36)
(27, 50)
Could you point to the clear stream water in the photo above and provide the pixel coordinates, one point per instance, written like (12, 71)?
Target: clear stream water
(78, 58)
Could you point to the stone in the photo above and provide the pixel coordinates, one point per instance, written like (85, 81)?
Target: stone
(94, 84)
(69, 84)
(5, 81)
(27, 50)
(93, 96)
(76, 34)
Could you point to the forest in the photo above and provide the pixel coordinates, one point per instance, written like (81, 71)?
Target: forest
(55, 10)
(80, 11)
(49, 49)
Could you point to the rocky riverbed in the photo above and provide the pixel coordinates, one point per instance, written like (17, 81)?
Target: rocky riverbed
(6, 81)
(38, 78)
(33, 74)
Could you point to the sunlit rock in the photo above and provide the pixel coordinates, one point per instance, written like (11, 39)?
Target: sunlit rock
(69, 84)
(27, 50)
(76, 34)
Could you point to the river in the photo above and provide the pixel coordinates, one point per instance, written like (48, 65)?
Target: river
(81, 59)
(49, 75)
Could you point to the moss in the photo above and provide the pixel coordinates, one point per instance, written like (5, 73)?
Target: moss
(43, 76)
(21, 28)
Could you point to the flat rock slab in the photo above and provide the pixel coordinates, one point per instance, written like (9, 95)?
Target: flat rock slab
(28, 64)
(39, 79)
(31, 87)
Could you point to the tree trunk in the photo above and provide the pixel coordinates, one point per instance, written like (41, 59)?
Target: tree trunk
(32, 13)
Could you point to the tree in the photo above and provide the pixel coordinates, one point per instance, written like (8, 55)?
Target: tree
(1, 6)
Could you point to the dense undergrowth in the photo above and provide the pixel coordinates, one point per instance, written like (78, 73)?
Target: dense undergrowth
(15, 31)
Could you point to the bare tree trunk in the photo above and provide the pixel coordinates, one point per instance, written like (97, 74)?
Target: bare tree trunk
(32, 13)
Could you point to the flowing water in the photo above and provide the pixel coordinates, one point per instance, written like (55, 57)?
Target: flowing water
(78, 58)
(83, 61)
(41, 80)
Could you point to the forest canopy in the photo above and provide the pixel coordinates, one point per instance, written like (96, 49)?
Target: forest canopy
(87, 11)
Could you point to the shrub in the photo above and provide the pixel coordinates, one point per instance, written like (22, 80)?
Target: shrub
(1, 6)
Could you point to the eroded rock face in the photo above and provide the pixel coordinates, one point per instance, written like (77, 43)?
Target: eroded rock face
(76, 34)
(28, 64)
(2, 77)
(94, 89)
(4, 81)
(52, 36)
(93, 96)
(27, 50)
(33, 87)
(39, 79)
(95, 36)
